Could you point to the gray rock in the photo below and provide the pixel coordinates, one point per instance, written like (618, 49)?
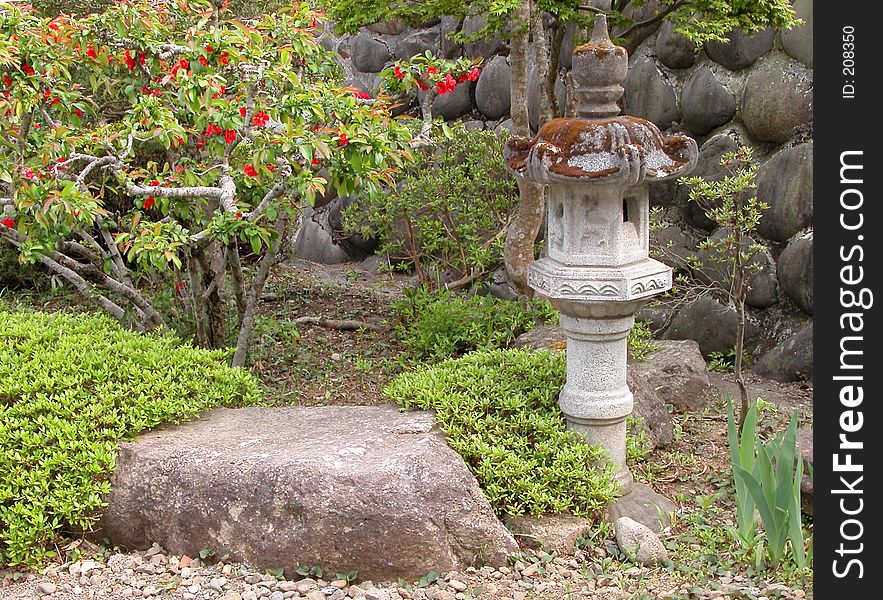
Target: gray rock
(797, 42)
(705, 320)
(492, 90)
(368, 54)
(453, 104)
(784, 182)
(650, 410)
(482, 47)
(672, 247)
(542, 336)
(418, 42)
(565, 56)
(705, 102)
(742, 49)
(674, 50)
(677, 373)
(777, 98)
(707, 166)
(715, 269)
(474, 125)
(649, 95)
(367, 488)
(356, 245)
(656, 317)
(313, 240)
(796, 272)
(504, 126)
(46, 587)
(639, 542)
(550, 533)
(390, 27)
(449, 48)
(790, 359)
(643, 505)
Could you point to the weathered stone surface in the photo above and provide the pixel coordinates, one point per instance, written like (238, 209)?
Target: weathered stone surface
(565, 56)
(418, 42)
(367, 488)
(550, 533)
(650, 409)
(790, 359)
(450, 48)
(670, 246)
(797, 42)
(643, 505)
(707, 166)
(453, 104)
(742, 49)
(716, 266)
(356, 245)
(796, 273)
(492, 90)
(542, 336)
(784, 182)
(705, 102)
(805, 446)
(777, 98)
(313, 241)
(677, 373)
(482, 47)
(649, 95)
(390, 27)
(656, 317)
(638, 541)
(674, 50)
(368, 54)
(711, 324)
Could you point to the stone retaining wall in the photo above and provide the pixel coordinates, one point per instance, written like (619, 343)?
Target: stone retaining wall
(754, 90)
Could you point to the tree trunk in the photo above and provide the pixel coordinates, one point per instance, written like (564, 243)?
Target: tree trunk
(525, 224)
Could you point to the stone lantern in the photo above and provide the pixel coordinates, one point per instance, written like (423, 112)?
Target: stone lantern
(598, 272)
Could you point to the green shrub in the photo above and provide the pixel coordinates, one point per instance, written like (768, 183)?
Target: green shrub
(71, 387)
(436, 325)
(640, 341)
(499, 410)
(449, 211)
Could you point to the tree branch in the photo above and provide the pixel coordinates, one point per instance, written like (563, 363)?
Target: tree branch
(652, 20)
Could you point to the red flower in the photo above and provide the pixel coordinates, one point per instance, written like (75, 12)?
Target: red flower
(230, 136)
(260, 118)
(473, 74)
(54, 100)
(213, 129)
(224, 59)
(430, 71)
(90, 52)
(179, 168)
(28, 173)
(8, 222)
(362, 95)
(203, 61)
(154, 182)
(446, 85)
(142, 58)
(78, 112)
(398, 73)
(130, 62)
(7, 81)
(200, 143)
(242, 111)
(344, 140)
(46, 94)
(183, 63)
(422, 85)
(209, 49)
(271, 167)
(53, 26)
(27, 69)
(250, 171)
(238, 215)
(148, 203)
(315, 161)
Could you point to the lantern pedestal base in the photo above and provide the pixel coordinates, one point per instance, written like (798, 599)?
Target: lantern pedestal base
(643, 505)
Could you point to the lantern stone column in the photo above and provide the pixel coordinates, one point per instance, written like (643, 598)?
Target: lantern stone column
(598, 272)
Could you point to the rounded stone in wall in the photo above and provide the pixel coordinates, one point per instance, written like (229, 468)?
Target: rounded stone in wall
(368, 55)
(674, 50)
(763, 284)
(649, 95)
(492, 90)
(482, 47)
(784, 183)
(742, 49)
(449, 48)
(711, 324)
(705, 102)
(795, 272)
(797, 42)
(707, 166)
(790, 359)
(391, 27)
(565, 55)
(418, 43)
(777, 98)
(453, 104)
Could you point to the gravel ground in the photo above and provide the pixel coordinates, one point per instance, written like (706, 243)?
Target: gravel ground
(153, 574)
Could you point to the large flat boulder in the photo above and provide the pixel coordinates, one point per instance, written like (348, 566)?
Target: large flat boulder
(677, 373)
(346, 488)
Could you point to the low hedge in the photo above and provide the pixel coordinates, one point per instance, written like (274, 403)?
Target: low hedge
(499, 410)
(71, 387)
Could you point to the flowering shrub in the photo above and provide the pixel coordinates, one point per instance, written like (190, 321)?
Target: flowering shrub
(430, 74)
(157, 137)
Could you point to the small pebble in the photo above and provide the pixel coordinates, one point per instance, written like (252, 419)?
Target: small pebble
(46, 587)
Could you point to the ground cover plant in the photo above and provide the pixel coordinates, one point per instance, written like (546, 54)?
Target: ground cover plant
(499, 411)
(71, 387)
